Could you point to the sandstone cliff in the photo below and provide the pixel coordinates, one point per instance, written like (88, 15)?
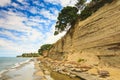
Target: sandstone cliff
(96, 40)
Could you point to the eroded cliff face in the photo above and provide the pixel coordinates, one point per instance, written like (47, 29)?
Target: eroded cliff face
(96, 40)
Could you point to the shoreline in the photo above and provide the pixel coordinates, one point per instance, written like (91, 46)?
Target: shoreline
(41, 73)
(14, 65)
(41, 68)
(18, 71)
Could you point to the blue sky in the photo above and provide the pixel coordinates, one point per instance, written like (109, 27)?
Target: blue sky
(27, 24)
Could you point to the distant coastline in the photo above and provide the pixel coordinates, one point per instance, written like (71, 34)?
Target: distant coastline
(29, 55)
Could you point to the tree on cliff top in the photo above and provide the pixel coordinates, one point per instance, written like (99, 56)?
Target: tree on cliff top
(44, 47)
(66, 18)
(68, 15)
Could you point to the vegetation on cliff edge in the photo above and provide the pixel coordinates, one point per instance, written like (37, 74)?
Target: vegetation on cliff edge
(69, 15)
(44, 47)
(66, 18)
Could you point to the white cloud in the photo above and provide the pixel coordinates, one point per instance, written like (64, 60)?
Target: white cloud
(20, 0)
(29, 42)
(26, 6)
(55, 11)
(37, 19)
(52, 1)
(36, 2)
(15, 5)
(14, 21)
(48, 15)
(32, 38)
(67, 2)
(4, 2)
(63, 3)
(50, 38)
(9, 34)
(24, 42)
(21, 48)
(8, 45)
(34, 10)
(24, 2)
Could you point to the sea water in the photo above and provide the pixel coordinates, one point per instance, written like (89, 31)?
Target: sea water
(7, 63)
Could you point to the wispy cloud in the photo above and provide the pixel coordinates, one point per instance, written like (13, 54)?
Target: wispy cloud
(63, 3)
(4, 2)
(47, 14)
(26, 25)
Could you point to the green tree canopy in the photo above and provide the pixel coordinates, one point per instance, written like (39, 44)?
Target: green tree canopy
(67, 17)
(29, 55)
(44, 47)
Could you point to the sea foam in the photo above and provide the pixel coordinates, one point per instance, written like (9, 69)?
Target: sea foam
(15, 66)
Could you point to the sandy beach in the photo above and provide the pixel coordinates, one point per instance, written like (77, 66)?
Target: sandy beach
(37, 69)
(24, 72)
(27, 71)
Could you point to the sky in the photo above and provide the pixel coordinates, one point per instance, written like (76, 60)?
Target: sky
(25, 25)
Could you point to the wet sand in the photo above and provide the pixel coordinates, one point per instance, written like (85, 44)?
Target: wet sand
(24, 72)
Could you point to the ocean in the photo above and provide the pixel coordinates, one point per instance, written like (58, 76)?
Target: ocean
(10, 64)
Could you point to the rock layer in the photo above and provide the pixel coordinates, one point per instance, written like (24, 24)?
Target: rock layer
(96, 40)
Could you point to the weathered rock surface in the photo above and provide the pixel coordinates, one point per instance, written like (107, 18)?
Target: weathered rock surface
(96, 39)
(73, 70)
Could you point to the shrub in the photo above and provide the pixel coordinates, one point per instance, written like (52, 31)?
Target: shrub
(85, 13)
(92, 7)
(44, 47)
(80, 60)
